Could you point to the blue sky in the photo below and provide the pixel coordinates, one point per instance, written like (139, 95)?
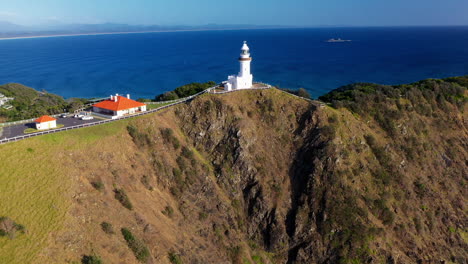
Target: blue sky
(260, 12)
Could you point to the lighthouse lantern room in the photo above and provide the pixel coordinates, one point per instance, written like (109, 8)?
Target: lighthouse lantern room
(244, 79)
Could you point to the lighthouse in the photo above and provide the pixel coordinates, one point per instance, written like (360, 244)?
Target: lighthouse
(244, 79)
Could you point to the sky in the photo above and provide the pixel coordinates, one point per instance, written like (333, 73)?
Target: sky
(254, 12)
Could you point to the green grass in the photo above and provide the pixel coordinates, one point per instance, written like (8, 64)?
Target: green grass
(153, 106)
(34, 193)
(34, 185)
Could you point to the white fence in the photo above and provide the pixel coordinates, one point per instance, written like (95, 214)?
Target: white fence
(225, 92)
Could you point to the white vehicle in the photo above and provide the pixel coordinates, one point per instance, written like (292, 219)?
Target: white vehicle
(87, 118)
(63, 115)
(78, 116)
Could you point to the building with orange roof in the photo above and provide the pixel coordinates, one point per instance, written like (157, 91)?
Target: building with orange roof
(45, 122)
(117, 106)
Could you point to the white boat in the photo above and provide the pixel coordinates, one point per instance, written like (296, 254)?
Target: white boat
(338, 40)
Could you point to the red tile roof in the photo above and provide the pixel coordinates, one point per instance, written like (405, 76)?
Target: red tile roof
(44, 118)
(123, 103)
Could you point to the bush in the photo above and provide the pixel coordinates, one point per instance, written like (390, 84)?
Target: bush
(98, 185)
(301, 92)
(141, 139)
(174, 258)
(187, 153)
(107, 228)
(91, 259)
(168, 136)
(9, 228)
(122, 197)
(145, 180)
(168, 211)
(181, 163)
(139, 249)
(184, 91)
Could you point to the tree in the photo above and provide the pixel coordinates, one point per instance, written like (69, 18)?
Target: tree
(303, 93)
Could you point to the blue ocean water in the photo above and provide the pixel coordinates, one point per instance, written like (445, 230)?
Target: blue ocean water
(145, 65)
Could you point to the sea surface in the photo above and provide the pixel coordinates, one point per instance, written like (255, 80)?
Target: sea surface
(148, 64)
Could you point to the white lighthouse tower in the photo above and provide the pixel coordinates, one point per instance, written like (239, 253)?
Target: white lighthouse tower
(244, 79)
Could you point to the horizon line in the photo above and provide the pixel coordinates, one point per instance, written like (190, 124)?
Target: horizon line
(200, 29)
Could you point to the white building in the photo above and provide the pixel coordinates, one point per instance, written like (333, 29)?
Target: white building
(45, 122)
(244, 79)
(4, 100)
(118, 106)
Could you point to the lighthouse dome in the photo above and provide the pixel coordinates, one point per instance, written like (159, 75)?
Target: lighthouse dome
(245, 47)
(245, 51)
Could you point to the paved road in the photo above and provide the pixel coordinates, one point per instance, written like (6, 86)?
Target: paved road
(18, 130)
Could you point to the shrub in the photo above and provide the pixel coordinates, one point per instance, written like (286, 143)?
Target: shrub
(91, 259)
(420, 188)
(122, 197)
(303, 93)
(98, 185)
(184, 91)
(383, 212)
(168, 211)
(202, 216)
(141, 139)
(9, 228)
(181, 163)
(139, 249)
(174, 258)
(299, 92)
(107, 228)
(333, 118)
(145, 180)
(187, 153)
(328, 132)
(168, 136)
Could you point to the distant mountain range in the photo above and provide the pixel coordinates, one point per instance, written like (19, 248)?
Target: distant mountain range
(8, 29)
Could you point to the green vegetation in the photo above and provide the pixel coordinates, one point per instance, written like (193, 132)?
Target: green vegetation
(168, 211)
(122, 197)
(46, 184)
(29, 103)
(145, 180)
(93, 259)
(153, 106)
(174, 258)
(141, 139)
(9, 228)
(301, 92)
(139, 249)
(98, 185)
(385, 103)
(168, 136)
(107, 228)
(184, 91)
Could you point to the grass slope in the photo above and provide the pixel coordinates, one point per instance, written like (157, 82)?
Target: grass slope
(34, 187)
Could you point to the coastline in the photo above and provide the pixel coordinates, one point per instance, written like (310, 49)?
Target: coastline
(129, 32)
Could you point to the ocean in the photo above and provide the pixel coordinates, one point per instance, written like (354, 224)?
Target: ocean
(148, 64)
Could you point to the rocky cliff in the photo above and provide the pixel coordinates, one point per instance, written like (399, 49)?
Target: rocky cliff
(376, 176)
